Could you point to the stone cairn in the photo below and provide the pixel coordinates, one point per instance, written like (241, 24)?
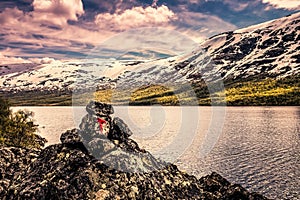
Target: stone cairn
(98, 124)
(108, 140)
(100, 161)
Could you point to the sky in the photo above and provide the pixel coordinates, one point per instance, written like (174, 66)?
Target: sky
(45, 31)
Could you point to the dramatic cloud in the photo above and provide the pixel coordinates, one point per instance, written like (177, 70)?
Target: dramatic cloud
(57, 12)
(33, 30)
(287, 4)
(135, 18)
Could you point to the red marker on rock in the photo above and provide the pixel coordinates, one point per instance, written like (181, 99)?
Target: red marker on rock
(101, 122)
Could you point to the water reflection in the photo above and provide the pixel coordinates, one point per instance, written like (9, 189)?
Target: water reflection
(259, 149)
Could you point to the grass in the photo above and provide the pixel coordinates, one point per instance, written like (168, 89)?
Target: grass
(38, 99)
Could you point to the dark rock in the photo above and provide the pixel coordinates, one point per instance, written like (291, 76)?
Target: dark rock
(90, 127)
(269, 42)
(274, 52)
(70, 136)
(12, 162)
(99, 147)
(120, 130)
(60, 172)
(99, 109)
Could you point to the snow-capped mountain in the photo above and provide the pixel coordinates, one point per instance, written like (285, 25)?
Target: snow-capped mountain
(61, 76)
(270, 49)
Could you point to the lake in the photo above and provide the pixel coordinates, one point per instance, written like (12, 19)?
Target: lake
(257, 147)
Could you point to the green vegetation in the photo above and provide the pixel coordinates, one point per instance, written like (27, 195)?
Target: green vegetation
(266, 92)
(18, 129)
(148, 95)
(284, 91)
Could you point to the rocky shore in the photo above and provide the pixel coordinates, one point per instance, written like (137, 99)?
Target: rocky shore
(100, 161)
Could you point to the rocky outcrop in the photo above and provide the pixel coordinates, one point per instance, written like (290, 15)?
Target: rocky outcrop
(91, 165)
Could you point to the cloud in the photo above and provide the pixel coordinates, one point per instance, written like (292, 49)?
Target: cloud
(142, 40)
(11, 60)
(201, 26)
(27, 35)
(45, 60)
(286, 4)
(7, 57)
(154, 3)
(10, 16)
(237, 5)
(135, 18)
(57, 12)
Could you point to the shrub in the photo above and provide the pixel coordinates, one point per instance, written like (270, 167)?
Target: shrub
(18, 129)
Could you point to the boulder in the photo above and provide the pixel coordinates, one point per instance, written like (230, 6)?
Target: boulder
(120, 130)
(99, 109)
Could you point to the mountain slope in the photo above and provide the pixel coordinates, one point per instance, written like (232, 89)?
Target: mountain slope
(270, 49)
(240, 60)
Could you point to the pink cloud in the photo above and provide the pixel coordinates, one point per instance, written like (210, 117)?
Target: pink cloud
(11, 60)
(11, 16)
(135, 18)
(7, 56)
(57, 12)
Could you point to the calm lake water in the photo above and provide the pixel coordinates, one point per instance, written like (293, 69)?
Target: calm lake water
(257, 147)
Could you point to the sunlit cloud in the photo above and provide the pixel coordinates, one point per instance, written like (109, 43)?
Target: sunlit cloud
(135, 18)
(57, 12)
(287, 4)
